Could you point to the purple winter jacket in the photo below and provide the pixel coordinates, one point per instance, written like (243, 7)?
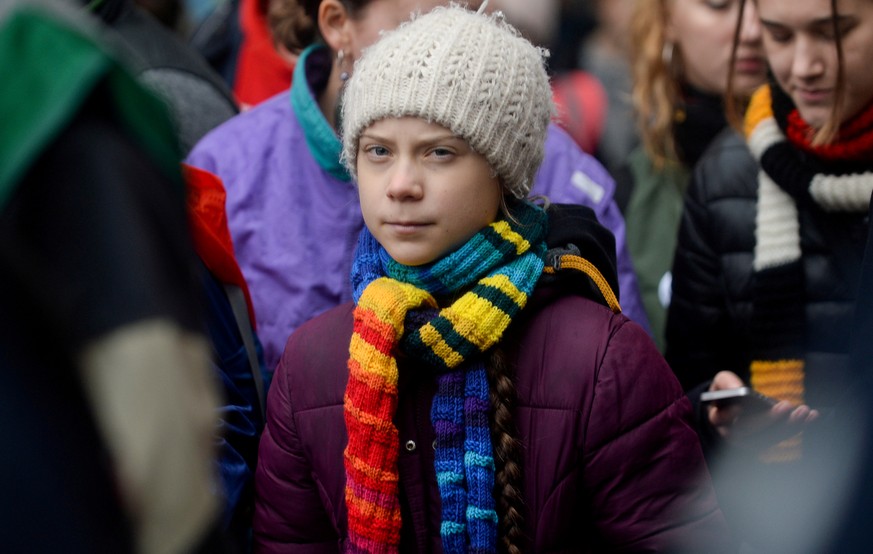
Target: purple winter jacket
(610, 460)
(294, 217)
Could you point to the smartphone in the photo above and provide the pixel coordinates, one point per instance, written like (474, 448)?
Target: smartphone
(747, 397)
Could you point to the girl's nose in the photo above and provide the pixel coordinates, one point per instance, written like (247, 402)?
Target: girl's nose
(750, 31)
(808, 62)
(405, 182)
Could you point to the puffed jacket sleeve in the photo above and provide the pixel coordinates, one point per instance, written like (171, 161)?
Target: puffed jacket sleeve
(289, 513)
(702, 338)
(649, 488)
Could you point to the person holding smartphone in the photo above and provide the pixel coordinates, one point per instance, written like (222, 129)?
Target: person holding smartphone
(770, 248)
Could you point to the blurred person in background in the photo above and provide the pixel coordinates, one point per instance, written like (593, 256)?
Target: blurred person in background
(767, 268)
(264, 67)
(197, 97)
(198, 101)
(215, 31)
(292, 206)
(576, 21)
(108, 407)
(681, 64)
(580, 99)
(170, 13)
(211, 27)
(605, 55)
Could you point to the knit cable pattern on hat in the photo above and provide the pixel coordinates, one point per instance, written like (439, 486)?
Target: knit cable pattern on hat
(471, 73)
(498, 269)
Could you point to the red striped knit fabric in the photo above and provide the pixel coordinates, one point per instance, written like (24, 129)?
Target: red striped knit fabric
(855, 140)
(372, 494)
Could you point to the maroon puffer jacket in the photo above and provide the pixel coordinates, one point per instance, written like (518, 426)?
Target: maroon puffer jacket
(610, 460)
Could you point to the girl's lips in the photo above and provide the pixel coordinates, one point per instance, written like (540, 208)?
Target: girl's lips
(814, 96)
(406, 227)
(752, 65)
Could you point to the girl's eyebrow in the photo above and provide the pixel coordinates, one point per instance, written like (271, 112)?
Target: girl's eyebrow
(371, 136)
(814, 24)
(421, 139)
(838, 19)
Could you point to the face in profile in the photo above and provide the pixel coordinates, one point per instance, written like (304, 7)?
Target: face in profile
(424, 191)
(801, 48)
(703, 31)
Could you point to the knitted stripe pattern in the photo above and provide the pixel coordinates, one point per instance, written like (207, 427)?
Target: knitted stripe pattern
(788, 177)
(854, 141)
(496, 271)
(464, 461)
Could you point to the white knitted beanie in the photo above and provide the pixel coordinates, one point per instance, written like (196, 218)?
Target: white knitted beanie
(469, 72)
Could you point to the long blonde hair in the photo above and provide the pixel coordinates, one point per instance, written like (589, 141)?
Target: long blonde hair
(656, 88)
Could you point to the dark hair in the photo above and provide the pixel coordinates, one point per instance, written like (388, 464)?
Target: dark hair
(507, 452)
(829, 130)
(294, 23)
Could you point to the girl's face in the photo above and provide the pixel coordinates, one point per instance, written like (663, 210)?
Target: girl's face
(383, 15)
(704, 32)
(423, 191)
(801, 49)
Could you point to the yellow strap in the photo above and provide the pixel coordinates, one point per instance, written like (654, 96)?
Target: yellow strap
(581, 264)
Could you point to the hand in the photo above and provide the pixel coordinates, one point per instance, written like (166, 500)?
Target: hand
(756, 430)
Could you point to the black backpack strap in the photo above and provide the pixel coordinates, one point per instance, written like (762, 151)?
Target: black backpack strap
(241, 315)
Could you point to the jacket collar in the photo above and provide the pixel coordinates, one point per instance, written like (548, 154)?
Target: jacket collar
(323, 142)
(580, 259)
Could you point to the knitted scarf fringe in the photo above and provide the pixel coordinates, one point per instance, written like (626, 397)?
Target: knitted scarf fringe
(498, 268)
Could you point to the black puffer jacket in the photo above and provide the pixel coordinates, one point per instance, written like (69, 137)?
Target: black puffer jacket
(708, 327)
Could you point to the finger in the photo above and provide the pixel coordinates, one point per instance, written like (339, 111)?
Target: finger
(723, 415)
(782, 409)
(726, 380)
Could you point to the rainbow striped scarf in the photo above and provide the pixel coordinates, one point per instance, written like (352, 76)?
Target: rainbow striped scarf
(498, 268)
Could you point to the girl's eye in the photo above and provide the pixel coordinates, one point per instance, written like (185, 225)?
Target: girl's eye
(719, 4)
(827, 33)
(376, 151)
(778, 34)
(780, 37)
(843, 27)
(442, 153)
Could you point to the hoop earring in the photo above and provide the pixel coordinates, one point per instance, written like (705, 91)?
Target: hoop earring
(340, 61)
(667, 54)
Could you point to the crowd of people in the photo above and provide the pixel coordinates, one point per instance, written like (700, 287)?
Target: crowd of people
(382, 276)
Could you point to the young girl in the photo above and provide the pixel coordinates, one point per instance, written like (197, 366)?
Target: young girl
(292, 207)
(771, 302)
(681, 54)
(474, 398)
